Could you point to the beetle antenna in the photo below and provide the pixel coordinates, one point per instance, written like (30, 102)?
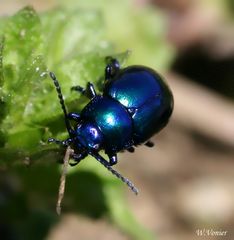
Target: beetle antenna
(106, 164)
(61, 100)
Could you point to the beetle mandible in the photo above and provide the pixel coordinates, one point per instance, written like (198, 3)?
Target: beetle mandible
(135, 104)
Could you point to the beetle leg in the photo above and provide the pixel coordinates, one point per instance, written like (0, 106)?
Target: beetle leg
(78, 89)
(112, 159)
(73, 116)
(131, 149)
(149, 144)
(112, 68)
(77, 158)
(89, 91)
(65, 143)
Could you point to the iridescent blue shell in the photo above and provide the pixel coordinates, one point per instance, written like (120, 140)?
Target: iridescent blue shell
(146, 96)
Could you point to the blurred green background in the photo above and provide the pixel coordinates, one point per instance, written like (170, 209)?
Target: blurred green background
(185, 182)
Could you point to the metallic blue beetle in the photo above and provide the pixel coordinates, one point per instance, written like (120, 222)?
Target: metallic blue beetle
(136, 103)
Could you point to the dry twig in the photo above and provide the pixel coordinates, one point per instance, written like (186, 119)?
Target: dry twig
(68, 153)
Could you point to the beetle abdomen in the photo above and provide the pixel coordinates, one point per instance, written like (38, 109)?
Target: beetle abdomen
(150, 118)
(143, 92)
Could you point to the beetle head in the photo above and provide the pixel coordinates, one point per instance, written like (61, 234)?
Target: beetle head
(89, 136)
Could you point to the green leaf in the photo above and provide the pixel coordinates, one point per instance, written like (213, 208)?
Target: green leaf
(141, 30)
(22, 38)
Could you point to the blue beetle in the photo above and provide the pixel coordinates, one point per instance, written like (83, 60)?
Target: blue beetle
(136, 103)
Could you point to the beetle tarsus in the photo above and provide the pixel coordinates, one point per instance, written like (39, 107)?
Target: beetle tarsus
(131, 149)
(149, 144)
(78, 89)
(89, 91)
(112, 68)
